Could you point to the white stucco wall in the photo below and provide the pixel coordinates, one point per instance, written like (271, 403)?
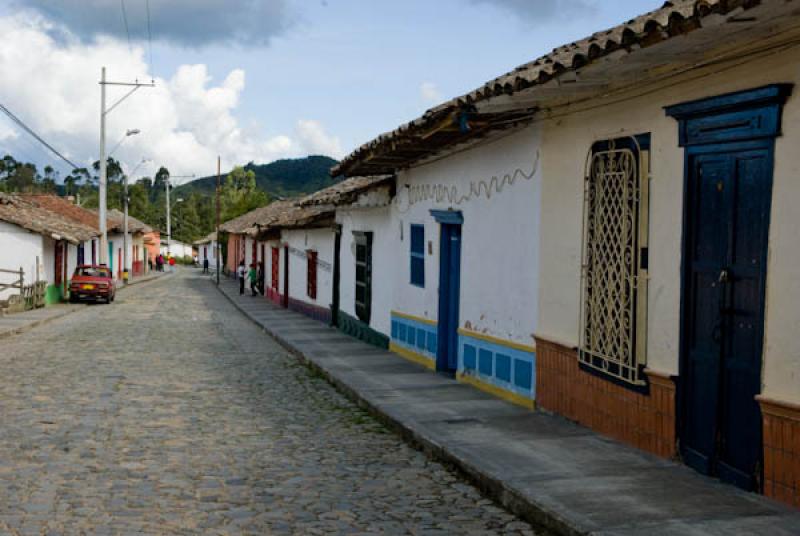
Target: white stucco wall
(499, 255)
(566, 142)
(19, 249)
(211, 251)
(177, 249)
(321, 241)
(384, 260)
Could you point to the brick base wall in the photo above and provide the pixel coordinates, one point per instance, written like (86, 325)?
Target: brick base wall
(781, 423)
(646, 421)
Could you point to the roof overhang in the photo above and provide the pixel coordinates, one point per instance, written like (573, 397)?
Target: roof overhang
(682, 36)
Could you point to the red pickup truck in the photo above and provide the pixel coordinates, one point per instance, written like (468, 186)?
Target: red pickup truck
(92, 282)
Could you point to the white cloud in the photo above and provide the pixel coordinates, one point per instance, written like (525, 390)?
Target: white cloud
(182, 22)
(314, 139)
(543, 11)
(185, 121)
(429, 93)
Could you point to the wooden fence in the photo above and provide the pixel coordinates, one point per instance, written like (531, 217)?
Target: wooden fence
(30, 296)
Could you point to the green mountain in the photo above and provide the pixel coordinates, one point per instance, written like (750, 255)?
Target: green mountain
(281, 178)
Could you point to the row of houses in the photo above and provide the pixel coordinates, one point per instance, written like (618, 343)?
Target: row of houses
(608, 233)
(47, 236)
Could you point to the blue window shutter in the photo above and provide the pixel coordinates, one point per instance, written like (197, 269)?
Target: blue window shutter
(417, 255)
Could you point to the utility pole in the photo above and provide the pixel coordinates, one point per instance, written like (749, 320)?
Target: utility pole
(217, 241)
(103, 171)
(169, 225)
(125, 258)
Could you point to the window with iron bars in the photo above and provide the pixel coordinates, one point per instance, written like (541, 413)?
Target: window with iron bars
(613, 323)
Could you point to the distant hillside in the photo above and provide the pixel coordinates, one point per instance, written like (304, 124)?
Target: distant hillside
(282, 178)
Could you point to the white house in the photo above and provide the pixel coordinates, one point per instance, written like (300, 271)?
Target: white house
(136, 254)
(634, 240)
(177, 248)
(44, 243)
(207, 248)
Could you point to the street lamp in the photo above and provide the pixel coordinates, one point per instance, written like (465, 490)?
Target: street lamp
(104, 111)
(130, 132)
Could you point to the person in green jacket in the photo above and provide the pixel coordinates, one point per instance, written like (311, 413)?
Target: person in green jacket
(252, 275)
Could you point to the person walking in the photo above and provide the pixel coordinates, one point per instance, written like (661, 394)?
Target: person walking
(205, 265)
(241, 272)
(252, 275)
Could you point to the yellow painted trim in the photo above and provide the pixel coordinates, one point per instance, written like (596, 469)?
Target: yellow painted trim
(499, 392)
(412, 356)
(415, 318)
(495, 340)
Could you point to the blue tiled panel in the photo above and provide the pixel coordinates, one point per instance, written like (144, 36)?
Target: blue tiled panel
(411, 335)
(485, 362)
(432, 343)
(469, 357)
(497, 364)
(523, 374)
(502, 367)
(419, 337)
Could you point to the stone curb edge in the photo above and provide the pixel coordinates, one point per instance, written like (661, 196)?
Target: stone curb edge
(36, 323)
(512, 500)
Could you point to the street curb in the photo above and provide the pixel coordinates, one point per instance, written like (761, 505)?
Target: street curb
(36, 323)
(541, 517)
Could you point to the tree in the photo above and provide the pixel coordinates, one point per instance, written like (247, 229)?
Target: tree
(240, 194)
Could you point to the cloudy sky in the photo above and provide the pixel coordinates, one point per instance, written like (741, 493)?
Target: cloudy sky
(257, 80)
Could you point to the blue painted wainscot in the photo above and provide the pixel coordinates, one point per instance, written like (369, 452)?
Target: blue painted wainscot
(503, 368)
(414, 338)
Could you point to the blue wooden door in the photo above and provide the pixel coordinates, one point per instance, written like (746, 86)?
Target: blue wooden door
(449, 290)
(729, 191)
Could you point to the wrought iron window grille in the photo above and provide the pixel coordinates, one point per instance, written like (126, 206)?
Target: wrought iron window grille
(613, 312)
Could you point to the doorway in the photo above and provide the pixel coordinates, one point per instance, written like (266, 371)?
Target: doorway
(729, 162)
(449, 290)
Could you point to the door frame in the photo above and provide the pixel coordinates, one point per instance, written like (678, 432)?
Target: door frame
(448, 220)
(698, 134)
(285, 298)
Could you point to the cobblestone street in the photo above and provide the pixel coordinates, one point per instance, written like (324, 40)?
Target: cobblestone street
(168, 412)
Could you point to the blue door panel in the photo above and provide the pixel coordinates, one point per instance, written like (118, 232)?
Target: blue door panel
(449, 291)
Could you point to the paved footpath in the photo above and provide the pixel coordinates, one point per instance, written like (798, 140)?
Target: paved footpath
(561, 475)
(169, 412)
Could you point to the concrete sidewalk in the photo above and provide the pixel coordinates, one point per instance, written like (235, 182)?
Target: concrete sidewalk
(20, 322)
(552, 472)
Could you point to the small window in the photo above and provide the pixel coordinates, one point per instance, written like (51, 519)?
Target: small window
(311, 282)
(418, 255)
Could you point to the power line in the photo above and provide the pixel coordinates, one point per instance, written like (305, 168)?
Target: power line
(27, 129)
(149, 39)
(125, 20)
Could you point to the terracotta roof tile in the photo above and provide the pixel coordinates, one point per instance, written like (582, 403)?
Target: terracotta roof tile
(31, 213)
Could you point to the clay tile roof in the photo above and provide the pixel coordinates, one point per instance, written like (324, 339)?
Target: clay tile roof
(30, 212)
(344, 192)
(418, 138)
(66, 208)
(246, 223)
(211, 237)
(116, 222)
